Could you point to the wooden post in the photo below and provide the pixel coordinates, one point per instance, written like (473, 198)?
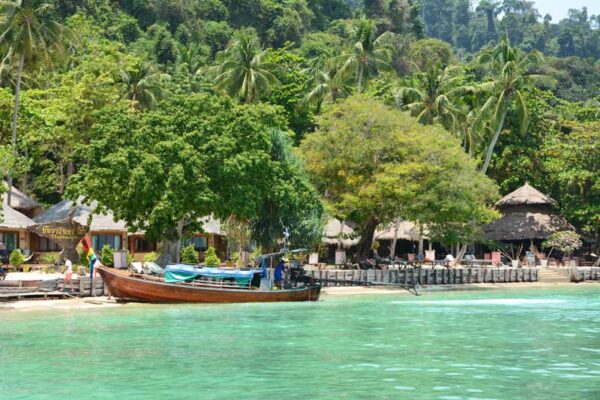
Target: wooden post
(81, 286)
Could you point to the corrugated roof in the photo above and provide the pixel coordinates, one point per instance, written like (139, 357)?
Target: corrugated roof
(526, 194)
(19, 200)
(81, 214)
(12, 219)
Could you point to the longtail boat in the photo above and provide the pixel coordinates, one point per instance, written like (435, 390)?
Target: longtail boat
(188, 284)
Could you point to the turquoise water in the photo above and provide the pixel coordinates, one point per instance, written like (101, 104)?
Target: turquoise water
(514, 344)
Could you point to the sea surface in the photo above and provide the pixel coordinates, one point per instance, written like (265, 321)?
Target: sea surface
(509, 344)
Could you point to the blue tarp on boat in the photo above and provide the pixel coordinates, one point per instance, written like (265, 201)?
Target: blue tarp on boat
(182, 272)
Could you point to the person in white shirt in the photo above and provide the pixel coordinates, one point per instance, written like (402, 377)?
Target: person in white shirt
(68, 274)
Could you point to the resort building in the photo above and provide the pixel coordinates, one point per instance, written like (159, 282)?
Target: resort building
(16, 220)
(528, 216)
(212, 236)
(14, 231)
(22, 203)
(105, 230)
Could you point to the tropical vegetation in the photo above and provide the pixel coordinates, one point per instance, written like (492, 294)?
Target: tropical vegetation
(166, 111)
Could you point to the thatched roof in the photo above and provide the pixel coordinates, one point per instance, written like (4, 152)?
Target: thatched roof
(526, 194)
(407, 230)
(81, 214)
(526, 225)
(12, 219)
(526, 214)
(337, 232)
(19, 200)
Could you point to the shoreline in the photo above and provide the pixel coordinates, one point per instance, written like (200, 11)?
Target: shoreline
(465, 287)
(102, 302)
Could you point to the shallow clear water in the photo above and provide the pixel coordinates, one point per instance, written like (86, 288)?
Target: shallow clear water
(514, 344)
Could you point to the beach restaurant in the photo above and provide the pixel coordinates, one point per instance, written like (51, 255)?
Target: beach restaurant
(528, 217)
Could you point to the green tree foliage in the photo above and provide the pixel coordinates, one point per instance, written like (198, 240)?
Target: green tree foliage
(16, 258)
(243, 72)
(511, 75)
(572, 160)
(143, 85)
(107, 255)
(304, 56)
(211, 257)
(369, 54)
(294, 206)
(189, 255)
(566, 242)
(382, 165)
(163, 171)
(431, 101)
(29, 33)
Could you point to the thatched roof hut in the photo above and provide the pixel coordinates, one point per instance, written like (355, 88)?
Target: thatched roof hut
(339, 232)
(527, 214)
(407, 230)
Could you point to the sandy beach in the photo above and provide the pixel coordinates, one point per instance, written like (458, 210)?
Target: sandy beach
(102, 302)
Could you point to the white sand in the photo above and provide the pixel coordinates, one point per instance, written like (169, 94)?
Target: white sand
(31, 276)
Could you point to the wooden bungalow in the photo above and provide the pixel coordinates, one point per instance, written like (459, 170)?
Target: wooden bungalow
(103, 228)
(528, 216)
(22, 203)
(212, 236)
(14, 231)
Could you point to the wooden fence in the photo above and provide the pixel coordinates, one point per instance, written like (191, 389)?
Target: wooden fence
(424, 276)
(16, 290)
(588, 273)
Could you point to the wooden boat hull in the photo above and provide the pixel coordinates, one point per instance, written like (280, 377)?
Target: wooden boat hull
(124, 285)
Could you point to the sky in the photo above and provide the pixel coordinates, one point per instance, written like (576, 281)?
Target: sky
(558, 9)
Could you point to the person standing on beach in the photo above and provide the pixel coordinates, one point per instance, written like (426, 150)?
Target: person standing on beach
(68, 275)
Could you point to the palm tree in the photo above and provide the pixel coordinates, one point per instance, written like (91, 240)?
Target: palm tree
(243, 72)
(472, 128)
(510, 68)
(143, 83)
(27, 31)
(431, 101)
(369, 54)
(323, 82)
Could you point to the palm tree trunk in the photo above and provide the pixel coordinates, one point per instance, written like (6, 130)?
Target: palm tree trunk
(361, 73)
(14, 123)
(490, 151)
